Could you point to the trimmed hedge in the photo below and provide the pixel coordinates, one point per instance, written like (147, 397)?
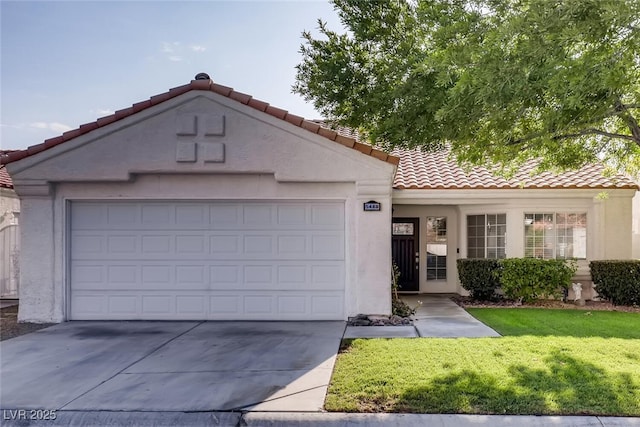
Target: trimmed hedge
(617, 280)
(523, 279)
(527, 279)
(479, 276)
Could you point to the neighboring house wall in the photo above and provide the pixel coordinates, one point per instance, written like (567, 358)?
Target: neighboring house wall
(636, 226)
(9, 243)
(608, 219)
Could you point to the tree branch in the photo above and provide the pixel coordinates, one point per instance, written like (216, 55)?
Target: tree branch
(630, 120)
(593, 131)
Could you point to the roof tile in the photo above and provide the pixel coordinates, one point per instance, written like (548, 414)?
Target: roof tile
(217, 88)
(347, 140)
(242, 98)
(435, 170)
(5, 179)
(310, 126)
(328, 133)
(276, 112)
(294, 120)
(257, 104)
(363, 148)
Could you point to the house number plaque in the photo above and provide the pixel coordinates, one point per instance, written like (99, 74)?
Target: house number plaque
(372, 206)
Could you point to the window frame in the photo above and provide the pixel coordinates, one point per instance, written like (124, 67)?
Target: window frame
(486, 235)
(531, 220)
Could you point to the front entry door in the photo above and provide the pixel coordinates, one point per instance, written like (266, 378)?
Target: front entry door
(404, 251)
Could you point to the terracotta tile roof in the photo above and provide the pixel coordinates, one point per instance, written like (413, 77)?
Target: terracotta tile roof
(434, 171)
(5, 179)
(206, 85)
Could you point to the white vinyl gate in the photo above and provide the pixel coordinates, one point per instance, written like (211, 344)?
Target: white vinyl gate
(9, 260)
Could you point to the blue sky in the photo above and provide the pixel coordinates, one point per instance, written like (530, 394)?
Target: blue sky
(68, 63)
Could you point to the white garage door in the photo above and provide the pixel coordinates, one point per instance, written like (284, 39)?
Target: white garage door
(198, 260)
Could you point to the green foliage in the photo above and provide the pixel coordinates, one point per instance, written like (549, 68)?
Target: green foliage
(481, 277)
(398, 307)
(560, 323)
(499, 81)
(537, 375)
(617, 281)
(401, 308)
(527, 279)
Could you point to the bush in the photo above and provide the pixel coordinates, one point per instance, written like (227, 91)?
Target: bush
(527, 279)
(617, 281)
(481, 277)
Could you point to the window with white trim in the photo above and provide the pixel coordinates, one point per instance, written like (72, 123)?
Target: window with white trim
(555, 235)
(486, 236)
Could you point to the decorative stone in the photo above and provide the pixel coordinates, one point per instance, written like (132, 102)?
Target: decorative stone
(577, 290)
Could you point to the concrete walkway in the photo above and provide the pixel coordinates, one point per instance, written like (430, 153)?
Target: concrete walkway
(437, 317)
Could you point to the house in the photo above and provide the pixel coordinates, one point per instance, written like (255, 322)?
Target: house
(9, 236)
(456, 214)
(635, 254)
(204, 203)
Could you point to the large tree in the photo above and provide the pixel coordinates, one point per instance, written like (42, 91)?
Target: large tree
(498, 81)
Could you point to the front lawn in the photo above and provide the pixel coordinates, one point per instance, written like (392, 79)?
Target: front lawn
(532, 373)
(574, 323)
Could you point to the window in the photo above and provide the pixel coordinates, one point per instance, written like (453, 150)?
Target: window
(486, 236)
(436, 248)
(555, 235)
(402, 229)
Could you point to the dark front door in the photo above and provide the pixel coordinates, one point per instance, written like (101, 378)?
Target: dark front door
(404, 251)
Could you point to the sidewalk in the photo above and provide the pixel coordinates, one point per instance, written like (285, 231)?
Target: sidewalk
(436, 317)
(316, 419)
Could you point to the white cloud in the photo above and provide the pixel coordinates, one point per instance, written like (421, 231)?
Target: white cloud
(176, 51)
(170, 47)
(53, 126)
(102, 112)
(59, 127)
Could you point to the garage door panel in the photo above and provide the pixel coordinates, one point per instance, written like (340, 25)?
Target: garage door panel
(216, 275)
(245, 305)
(251, 260)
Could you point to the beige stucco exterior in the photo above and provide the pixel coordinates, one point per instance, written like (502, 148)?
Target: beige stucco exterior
(609, 222)
(200, 146)
(636, 226)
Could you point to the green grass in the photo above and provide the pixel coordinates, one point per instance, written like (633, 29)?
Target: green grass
(545, 368)
(573, 323)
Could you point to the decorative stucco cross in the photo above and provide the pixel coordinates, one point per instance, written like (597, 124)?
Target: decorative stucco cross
(196, 137)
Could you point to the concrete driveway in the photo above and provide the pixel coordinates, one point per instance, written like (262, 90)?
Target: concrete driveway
(170, 366)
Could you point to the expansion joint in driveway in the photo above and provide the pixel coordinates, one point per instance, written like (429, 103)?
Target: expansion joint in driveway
(131, 364)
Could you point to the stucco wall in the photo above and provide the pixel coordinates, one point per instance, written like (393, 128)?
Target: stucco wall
(201, 146)
(609, 221)
(636, 227)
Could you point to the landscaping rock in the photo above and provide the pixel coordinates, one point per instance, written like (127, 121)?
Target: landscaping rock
(364, 320)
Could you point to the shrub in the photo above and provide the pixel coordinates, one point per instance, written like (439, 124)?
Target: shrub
(398, 307)
(617, 281)
(481, 277)
(527, 279)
